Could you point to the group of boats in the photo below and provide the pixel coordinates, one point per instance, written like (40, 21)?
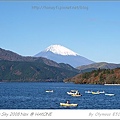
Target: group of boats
(72, 93)
(100, 92)
(76, 93)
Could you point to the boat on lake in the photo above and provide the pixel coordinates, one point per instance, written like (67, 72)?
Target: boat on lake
(101, 91)
(88, 91)
(49, 90)
(96, 93)
(72, 92)
(109, 94)
(76, 94)
(68, 104)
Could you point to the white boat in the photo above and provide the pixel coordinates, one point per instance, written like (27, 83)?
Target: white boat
(72, 92)
(101, 91)
(68, 104)
(76, 94)
(110, 94)
(88, 91)
(49, 90)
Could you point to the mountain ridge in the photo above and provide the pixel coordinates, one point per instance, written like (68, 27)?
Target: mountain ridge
(14, 67)
(95, 66)
(12, 56)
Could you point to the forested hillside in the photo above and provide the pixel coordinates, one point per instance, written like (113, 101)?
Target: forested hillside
(104, 76)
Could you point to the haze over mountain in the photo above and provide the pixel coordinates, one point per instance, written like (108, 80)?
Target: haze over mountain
(61, 54)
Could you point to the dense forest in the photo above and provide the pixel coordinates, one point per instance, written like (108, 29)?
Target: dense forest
(100, 76)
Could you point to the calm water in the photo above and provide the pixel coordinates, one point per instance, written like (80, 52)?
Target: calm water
(33, 96)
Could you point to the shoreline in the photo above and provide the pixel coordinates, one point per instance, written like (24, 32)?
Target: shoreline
(111, 84)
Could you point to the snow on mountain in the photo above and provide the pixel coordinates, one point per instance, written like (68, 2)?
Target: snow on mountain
(61, 50)
(60, 54)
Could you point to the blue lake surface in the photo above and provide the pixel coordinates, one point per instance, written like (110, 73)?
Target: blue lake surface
(34, 96)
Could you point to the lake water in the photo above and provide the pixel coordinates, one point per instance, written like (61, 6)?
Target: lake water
(34, 96)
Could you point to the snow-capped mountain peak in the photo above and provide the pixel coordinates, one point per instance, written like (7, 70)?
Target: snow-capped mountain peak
(61, 50)
(61, 54)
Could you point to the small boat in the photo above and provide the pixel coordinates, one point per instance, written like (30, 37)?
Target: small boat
(76, 94)
(72, 92)
(110, 94)
(101, 91)
(96, 93)
(88, 91)
(68, 104)
(49, 90)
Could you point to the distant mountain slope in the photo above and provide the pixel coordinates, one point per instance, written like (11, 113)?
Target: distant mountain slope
(11, 56)
(14, 67)
(95, 66)
(32, 71)
(104, 76)
(61, 54)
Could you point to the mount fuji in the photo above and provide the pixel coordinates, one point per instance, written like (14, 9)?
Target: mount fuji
(61, 54)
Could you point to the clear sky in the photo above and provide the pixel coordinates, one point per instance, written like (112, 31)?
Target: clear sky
(91, 29)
